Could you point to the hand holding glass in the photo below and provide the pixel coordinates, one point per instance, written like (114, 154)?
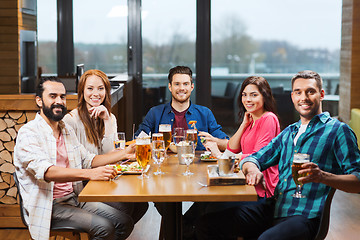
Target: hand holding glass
(188, 157)
(158, 154)
(299, 159)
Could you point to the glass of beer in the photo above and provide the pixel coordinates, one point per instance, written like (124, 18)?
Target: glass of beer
(299, 159)
(179, 135)
(191, 135)
(143, 154)
(158, 154)
(157, 137)
(165, 129)
(119, 142)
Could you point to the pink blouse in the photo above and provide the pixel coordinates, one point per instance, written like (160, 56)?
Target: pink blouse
(253, 139)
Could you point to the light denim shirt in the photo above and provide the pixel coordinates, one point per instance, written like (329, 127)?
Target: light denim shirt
(163, 114)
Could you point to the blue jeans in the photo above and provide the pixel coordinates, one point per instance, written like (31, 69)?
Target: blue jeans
(98, 219)
(254, 222)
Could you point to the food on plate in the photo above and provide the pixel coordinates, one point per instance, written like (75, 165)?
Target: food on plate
(207, 156)
(132, 167)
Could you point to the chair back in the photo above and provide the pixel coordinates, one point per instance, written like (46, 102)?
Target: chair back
(22, 210)
(325, 217)
(231, 89)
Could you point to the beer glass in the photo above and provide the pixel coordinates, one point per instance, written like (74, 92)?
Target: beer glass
(158, 154)
(143, 154)
(165, 129)
(191, 135)
(179, 135)
(119, 142)
(299, 159)
(157, 137)
(188, 157)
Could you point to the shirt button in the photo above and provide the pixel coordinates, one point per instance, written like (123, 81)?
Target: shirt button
(295, 151)
(285, 180)
(280, 193)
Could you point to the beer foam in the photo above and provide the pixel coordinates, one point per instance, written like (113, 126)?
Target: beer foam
(164, 128)
(142, 141)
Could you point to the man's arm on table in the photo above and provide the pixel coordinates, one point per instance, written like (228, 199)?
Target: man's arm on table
(99, 170)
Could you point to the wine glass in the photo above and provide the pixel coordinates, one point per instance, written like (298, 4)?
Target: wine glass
(298, 160)
(188, 157)
(158, 154)
(143, 154)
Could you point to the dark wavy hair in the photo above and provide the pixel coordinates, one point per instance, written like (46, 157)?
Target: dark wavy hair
(308, 74)
(264, 89)
(94, 129)
(180, 70)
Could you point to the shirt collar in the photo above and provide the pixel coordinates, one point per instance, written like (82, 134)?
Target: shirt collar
(189, 111)
(323, 117)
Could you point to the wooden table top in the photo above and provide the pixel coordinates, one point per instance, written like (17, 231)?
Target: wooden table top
(170, 187)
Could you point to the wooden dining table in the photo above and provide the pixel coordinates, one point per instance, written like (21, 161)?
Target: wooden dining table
(171, 188)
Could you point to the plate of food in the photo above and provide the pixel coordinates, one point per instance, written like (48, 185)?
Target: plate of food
(132, 168)
(206, 157)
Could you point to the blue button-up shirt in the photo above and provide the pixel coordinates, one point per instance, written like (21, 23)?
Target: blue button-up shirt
(163, 114)
(330, 143)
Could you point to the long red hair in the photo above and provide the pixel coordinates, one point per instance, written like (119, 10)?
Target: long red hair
(94, 129)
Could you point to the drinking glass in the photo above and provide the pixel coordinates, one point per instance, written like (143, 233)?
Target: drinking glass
(158, 154)
(157, 136)
(191, 135)
(188, 157)
(165, 129)
(179, 135)
(143, 154)
(119, 142)
(299, 159)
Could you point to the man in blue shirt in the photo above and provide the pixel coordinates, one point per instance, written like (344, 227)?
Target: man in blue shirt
(180, 111)
(334, 162)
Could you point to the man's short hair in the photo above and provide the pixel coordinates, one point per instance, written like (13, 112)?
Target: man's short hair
(308, 74)
(180, 70)
(40, 87)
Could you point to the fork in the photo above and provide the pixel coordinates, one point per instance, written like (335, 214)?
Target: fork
(202, 184)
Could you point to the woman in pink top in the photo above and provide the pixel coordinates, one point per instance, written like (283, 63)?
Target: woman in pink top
(260, 124)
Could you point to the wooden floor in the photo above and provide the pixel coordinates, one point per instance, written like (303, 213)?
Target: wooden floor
(344, 222)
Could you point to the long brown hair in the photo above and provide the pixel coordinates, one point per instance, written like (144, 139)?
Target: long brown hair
(94, 129)
(264, 89)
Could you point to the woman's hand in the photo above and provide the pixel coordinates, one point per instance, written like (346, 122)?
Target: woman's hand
(213, 148)
(247, 119)
(207, 137)
(130, 152)
(99, 111)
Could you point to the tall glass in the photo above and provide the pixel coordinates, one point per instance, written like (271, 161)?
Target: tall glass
(299, 159)
(158, 154)
(157, 137)
(191, 135)
(143, 154)
(165, 129)
(188, 158)
(178, 135)
(119, 142)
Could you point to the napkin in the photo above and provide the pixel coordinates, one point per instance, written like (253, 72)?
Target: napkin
(144, 135)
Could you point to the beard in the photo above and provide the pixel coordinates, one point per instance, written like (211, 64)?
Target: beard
(49, 112)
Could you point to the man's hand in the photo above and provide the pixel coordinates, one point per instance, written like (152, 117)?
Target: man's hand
(314, 173)
(103, 173)
(252, 174)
